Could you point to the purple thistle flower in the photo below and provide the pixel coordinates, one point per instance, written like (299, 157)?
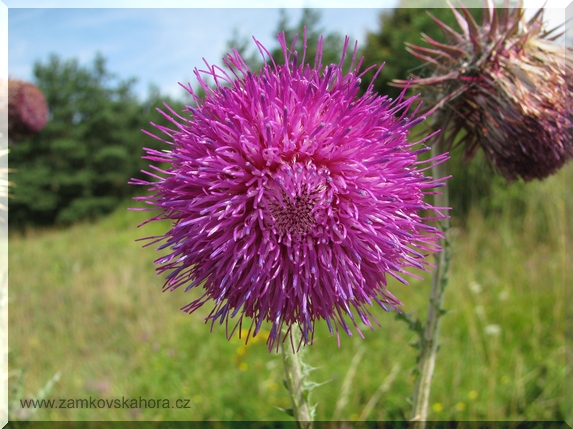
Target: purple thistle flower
(290, 196)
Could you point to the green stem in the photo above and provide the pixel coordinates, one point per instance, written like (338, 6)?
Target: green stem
(429, 342)
(295, 381)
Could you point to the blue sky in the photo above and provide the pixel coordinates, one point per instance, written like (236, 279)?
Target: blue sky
(163, 45)
(160, 46)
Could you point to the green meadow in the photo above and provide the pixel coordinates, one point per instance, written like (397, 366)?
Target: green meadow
(88, 320)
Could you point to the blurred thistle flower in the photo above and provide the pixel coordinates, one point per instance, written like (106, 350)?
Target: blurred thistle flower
(291, 197)
(27, 109)
(508, 85)
(4, 184)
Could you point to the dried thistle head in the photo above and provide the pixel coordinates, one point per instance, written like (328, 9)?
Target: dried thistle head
(507, 85)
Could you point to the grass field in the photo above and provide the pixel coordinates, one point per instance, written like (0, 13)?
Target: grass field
(84, 303)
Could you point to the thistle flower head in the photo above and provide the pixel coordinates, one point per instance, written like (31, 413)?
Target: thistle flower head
(4, 184)
(507, 85)
(291, 198)
(27, 109)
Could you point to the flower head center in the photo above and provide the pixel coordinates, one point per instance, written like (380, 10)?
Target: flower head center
(293, 215)
(296, 199)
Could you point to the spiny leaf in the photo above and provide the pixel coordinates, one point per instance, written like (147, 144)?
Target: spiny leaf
(288, 411)
(310, 385)
(414, 325)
